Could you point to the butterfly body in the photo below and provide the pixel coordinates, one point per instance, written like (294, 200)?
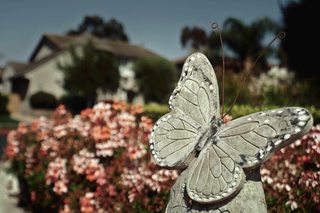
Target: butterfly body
(214, 155)
(209, 135)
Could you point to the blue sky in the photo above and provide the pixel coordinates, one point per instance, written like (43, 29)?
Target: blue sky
(154, 24)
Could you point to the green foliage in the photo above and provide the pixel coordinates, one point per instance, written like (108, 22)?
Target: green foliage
(194, 37)
(156, 78)
(7, 122)
(89, 71)
(233, 85)
(297, 43)
(155, 111)
(43, 100)
(301, 93)
(246, 40)
(3, 105)
(74, 103)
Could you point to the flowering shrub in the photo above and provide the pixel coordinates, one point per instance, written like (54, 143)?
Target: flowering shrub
(276, 77)
(97, 161)
(292, 176)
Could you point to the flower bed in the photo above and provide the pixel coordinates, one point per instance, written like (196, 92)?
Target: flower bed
(99, 161)
(292, 176)
(95, 162)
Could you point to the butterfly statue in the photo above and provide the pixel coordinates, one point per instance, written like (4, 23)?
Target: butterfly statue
(220, 160)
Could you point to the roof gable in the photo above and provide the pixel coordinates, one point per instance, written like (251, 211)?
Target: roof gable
(119, 48)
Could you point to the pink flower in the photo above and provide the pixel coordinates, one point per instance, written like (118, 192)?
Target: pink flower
(12, 147)
(57, 174)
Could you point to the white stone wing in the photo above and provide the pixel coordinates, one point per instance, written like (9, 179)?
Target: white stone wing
(213, 176)
(173, 140)
(197, 94)
(255, 137)
(194, 103)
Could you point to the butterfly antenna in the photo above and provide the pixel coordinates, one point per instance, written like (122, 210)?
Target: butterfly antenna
(280, 35)
(215, 26)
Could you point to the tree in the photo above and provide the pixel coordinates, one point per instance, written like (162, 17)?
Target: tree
(300, 24)
(89, 71)
(245, 41)
(300, 21)
(95, 25)
(194, 38)
(156, 78)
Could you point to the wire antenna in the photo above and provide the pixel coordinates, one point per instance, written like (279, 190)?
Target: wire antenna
(281, 36)
(215, 26)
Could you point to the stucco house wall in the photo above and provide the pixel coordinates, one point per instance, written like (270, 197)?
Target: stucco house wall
(47, 77)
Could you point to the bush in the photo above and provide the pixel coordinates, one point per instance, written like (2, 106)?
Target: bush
(74, 103)
(156, 78)
(43, 100)
(3, 104)
(292, 176)
(98, 160)
(155, 111)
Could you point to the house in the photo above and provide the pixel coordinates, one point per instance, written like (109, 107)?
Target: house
(40, 73)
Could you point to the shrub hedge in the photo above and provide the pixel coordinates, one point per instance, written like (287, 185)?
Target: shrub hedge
(3, 104)
(43, 100)
(155, 111)
(74, 103)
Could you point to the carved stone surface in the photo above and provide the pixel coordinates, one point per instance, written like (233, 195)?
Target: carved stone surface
(250, 199)
(221, 162)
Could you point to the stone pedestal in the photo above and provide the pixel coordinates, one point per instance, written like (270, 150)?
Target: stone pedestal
(250, 199)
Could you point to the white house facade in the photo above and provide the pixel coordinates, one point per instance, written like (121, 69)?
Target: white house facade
(42, 74)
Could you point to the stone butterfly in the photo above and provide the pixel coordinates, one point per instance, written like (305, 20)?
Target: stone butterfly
(194, 136)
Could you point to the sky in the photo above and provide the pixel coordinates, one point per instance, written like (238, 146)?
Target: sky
(154, 24)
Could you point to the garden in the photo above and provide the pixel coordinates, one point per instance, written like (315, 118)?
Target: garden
(99, 161)
(92, 155)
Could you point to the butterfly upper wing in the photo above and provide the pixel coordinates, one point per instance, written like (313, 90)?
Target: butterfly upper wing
(197, 94)
(255, 137)
(194, 103)
(214, 176)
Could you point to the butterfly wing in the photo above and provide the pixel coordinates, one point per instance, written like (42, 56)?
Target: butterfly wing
(214, 176)
(255, 137)
(245, 142)
(194, 103)
(173, 139)
(197, 94)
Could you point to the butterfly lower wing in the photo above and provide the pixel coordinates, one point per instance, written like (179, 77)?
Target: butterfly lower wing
(173, 140)
(255, 137)
(214, 176)
(197, 92)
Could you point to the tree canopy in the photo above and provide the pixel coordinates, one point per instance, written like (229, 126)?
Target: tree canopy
(193, 38)
(300, 24)
(156, 78)
(244, 40)
(89, 71)
(96, 25)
